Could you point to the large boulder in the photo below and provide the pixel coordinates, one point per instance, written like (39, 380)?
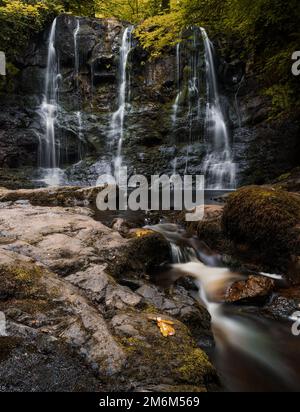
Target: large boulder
(266, 221)
(252, 289)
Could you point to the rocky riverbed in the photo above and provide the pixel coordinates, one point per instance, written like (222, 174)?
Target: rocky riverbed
(74, 289)
(79, 298)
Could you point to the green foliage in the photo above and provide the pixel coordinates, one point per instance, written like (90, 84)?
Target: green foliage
(282, 98)
(78, 7)
(7, 83)
(159, 32)
(19, 20)
(133, 11)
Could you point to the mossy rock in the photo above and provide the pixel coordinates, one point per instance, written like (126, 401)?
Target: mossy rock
(289, 181)
(20, 286)
(141, 255)
(265, 219)
(174, 360)
(57, 196)
(14, 179)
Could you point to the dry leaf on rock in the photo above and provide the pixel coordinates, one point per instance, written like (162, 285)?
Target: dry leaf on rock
(165, 326)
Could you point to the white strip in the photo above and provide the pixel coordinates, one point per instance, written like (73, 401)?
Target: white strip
(272, 276)
(2, 64)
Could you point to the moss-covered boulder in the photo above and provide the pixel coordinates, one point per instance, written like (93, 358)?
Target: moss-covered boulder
(153, 359)
(266, 220)
(145, 251)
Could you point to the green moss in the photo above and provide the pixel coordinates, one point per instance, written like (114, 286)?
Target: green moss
(284, 177)
(151, 310)
(141, 255)
(194, 365)
(265, 219)
(20, 285)
(175, 358)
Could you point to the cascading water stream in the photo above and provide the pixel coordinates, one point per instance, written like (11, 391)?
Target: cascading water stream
(49, 152)
(237, 334)
(76, 53)
(117, 123)
(194, 107)
(176, 103)
(80, 134)
(218, 166)
(179, 92)
(76, 70)
(189, 89)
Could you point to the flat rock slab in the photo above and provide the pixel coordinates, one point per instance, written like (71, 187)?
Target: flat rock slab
(57, 291)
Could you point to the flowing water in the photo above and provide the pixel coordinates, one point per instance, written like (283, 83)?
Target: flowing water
(252, 353)
(179, 92)
(50, 172)
(219, 168)
(76, 53)
(117, 122)
(218, 165)
(49, 150)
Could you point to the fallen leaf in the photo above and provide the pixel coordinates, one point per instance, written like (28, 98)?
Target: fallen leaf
(142, 232)
(165, 326)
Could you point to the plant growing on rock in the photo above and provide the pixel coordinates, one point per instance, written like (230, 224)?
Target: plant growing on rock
(265, 219)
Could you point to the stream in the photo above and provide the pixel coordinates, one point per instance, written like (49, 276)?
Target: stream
(252, 352)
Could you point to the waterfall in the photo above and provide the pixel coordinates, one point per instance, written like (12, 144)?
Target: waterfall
(76, 70)
(117, 122)
(177, 100)
(80, 135)
(179, 92)
(194, 108)
(76, 52)
(218, 166)
(219, 169)
(49, 153)
(188, 90)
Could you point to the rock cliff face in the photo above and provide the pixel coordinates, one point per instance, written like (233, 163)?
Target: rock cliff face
(88, 97)
(94, 92)
(265, 147)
